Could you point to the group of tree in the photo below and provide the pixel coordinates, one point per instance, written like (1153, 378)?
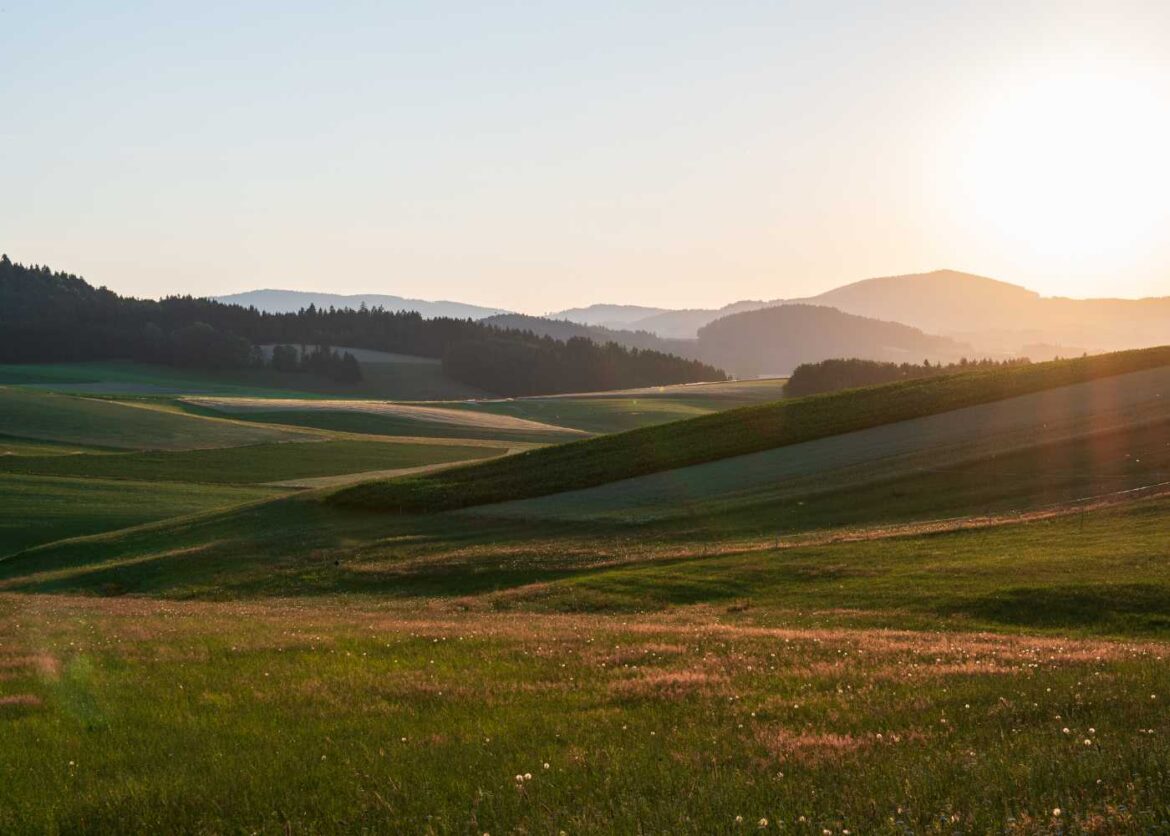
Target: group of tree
(48, 316)
(540, 365)
(321, 360)
(833, 375)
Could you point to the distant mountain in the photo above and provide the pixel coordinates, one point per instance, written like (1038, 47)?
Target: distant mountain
(291, 301)
(562, 329)
(998, 317)
(607, 316)
(775, 340)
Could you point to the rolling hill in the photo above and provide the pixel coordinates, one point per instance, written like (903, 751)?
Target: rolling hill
(736, 432)
(776, 340)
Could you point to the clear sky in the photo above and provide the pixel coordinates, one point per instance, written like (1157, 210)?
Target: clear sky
(536, 156)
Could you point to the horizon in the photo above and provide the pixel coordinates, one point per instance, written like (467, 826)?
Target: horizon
(539, 160)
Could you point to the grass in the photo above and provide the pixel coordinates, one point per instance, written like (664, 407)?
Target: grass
(214, 658)
(607, 412)
(246, 465)
(42, 416)
(365, 423)
(735, 432)
(385, 376)
(134, 716)
(36, 510)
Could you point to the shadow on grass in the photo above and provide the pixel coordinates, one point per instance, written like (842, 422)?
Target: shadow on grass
(1124, 608)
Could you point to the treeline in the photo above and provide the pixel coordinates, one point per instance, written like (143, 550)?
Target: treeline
(833, 375)
(542, 365)
(321, 360)
(48, 316)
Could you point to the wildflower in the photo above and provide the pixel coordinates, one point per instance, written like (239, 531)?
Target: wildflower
(739, 819)
(1092, 731)
(527, 776)
(763, 823)
(546, 766)
(1056, 812)
(1065, 730)
(519, 779)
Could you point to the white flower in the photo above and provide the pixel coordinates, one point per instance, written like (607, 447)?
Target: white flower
(739, 819)
(763, 823)
(527, 776)
(1056, 812)
(546, 766)
(519, 779)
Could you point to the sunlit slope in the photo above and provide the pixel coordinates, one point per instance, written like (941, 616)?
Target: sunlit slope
(99, 423)
(737, 432)
(1111, 407)
(386, 417)
(607, 412)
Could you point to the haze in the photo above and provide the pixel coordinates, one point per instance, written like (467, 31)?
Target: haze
(539, 157)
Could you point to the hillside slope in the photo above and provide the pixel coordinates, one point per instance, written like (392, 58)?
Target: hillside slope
(776, 340)
(736, 432)
(1002, 317)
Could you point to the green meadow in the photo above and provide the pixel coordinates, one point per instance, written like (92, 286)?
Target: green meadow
(969, 635)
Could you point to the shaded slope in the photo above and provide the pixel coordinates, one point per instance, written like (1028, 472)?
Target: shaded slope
(736, 432)
(1129, 406)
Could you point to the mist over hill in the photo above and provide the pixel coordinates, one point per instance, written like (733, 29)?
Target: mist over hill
(291, 301)
(778, 339)
(1001, 317)
(563, 329)
(607, 316)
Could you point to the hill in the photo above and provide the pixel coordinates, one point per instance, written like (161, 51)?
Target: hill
(291, 301)
(735, 432)
(778, 339)
(48, 316)
(564, 329)
(996, 316)
(607, 316)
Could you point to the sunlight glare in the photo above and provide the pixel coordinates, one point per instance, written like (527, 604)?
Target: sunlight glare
(1073, 167)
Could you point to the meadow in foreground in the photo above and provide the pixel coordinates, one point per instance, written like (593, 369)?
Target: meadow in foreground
(332, 716)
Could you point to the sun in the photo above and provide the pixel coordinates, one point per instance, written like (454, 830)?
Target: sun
(1073, 168)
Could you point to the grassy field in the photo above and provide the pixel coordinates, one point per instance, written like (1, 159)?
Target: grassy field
(246, 465)
(670, 696)
(1114, 426)
(365, 423)
(734, 432)
(607, 412)
(36, 509)
(385, 376)
(974, 640)
(41, 416)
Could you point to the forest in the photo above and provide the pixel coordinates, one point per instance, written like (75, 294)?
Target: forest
(834, 375)
(50, 316)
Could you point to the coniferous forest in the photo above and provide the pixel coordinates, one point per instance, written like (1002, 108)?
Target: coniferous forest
(49, 316)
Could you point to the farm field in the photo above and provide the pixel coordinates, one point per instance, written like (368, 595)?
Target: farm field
(385, 375)
(39, 509)
(1113, 408)
(754, 429)
(247, 465)
(606, 412)
(974, 595)
(39, 416)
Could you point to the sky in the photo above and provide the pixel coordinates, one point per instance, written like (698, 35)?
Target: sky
(537, 156)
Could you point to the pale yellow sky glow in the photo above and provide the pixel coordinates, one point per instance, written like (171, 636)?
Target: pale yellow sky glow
(537, 159)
